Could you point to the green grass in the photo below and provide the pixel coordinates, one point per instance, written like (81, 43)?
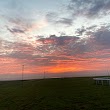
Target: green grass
(54, 94)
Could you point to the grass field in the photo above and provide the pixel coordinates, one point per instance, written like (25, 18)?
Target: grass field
(54, 94)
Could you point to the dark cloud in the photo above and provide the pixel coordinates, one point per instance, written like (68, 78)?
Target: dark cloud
(52, 17)
(91, 27)
(80, 47)
(56, 19)
(57, 48)
(81, 31)
(89, 8)
(22, 25)
(16, 30)
(55, 40)
(20, 55)
(98, 40)
(88, 31)
(96, 8)
(57, 45)
(102, 37)
(65, 21)
(69, 46)
(15, 49)
(23, 53)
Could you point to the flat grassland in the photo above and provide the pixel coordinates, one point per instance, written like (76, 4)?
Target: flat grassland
(54, 94)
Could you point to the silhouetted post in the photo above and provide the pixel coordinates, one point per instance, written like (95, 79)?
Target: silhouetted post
(44, 74)
(22, 73)
(43, 66)
(107, 68)
(107, 71)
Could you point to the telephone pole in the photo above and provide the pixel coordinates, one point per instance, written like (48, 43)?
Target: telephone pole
(44, 74)
(22, 73)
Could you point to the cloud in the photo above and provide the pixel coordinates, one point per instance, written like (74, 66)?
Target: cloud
(98, 40)
(24, 25)
(55, 44)
(55, 18)
(65, 21)
(23, 30)
(91, 27)
(9, 48)
(16, 30)
(90, 43)
(102, 38)
(62, 45)
(89, 8)
(19, 51)
(58, 49)
(51, 16)
(81, 31)
(55, 40)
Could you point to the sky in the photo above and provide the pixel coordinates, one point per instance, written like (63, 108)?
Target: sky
(58, 37)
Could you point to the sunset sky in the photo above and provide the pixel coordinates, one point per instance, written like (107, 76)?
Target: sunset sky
(55, 36)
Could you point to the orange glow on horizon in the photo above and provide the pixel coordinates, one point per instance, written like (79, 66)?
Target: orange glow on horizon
(14, 66)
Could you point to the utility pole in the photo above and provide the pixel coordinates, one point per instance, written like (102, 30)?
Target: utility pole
(44, 74)
(44, 67)
(107, 70)
(22, 73)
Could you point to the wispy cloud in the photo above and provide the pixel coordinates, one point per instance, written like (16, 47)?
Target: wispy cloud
(76, 38)
(89, 8)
